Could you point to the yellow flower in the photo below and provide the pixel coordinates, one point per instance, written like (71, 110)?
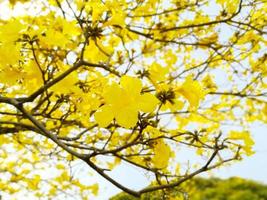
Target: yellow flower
(93, 52)
(168, 98)
(246, 138)
(192, 91)
(123, 102)
(157, 72)
(162, 154)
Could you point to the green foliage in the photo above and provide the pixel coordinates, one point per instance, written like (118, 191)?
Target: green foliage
(211, 189)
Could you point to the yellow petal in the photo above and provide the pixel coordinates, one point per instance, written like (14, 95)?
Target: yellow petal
(192, 91)
(148, 102)
(93, 53)
(112, 94)
(118, 18)
(127, 117)
(104, 116)
(157, 72)
(131, 85)
(162, 154)
(177, 105)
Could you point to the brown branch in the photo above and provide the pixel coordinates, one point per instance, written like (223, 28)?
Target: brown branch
(41, 127)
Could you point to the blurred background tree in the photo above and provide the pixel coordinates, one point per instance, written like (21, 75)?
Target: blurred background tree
(209, 189)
